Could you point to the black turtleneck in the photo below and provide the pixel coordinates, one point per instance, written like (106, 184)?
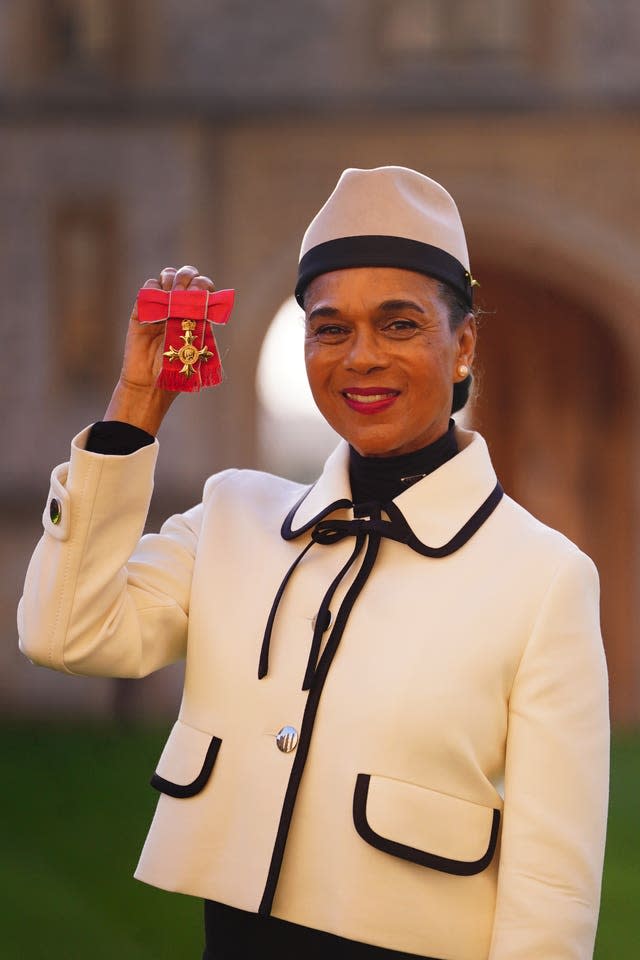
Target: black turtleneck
(380, 479)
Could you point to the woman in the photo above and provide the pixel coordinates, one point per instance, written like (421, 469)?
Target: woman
(393, 736)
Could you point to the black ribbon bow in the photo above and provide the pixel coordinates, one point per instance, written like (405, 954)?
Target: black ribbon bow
(369, 531)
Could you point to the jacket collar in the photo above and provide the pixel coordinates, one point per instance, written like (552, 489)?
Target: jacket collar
(436, 508)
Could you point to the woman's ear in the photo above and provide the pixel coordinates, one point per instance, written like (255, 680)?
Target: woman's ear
(466, 334)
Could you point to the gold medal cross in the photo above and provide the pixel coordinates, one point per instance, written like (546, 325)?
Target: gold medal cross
(188, 354)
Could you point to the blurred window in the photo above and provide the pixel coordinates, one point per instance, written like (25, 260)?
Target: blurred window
(85, 35)
(454, 28)
(83, 252)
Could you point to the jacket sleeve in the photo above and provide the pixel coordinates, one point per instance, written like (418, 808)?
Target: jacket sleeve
(556, 779)
(98, 600)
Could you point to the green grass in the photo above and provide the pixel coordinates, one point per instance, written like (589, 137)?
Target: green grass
(75, 808)
(619, 928)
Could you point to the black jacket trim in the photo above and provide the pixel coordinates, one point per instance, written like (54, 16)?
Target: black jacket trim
(396, 528)
(288, 533)
(406, 535)
(182, 790)
(460, 868)
(370, 531)
(308, 720)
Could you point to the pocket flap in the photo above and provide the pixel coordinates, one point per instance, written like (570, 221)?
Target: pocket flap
(186, 761)
(433, 829)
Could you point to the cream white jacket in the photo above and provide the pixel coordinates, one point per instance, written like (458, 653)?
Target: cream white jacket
(447, 794)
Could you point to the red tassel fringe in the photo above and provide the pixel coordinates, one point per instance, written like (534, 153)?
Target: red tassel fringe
(176, 381)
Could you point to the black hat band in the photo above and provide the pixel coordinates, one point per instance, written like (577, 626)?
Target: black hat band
(381, 251)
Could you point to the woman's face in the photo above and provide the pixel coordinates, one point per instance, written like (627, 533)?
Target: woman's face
(381, 357)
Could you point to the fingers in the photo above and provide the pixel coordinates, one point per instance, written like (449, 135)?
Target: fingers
(203, 283)
(187, 276)
(167, 277)
(184, 276)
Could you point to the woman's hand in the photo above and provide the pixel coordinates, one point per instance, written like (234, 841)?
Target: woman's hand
(136, 398)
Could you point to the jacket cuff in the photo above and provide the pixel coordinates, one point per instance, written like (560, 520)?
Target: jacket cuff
(56, 516)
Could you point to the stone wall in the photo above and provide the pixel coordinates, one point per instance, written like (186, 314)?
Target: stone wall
(208, 133)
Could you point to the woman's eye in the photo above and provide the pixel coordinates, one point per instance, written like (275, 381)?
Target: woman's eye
(401, 328)
(330, 332)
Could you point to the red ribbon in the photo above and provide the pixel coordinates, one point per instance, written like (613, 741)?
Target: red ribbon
(191, 360)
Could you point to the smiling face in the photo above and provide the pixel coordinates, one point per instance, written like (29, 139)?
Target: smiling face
(381, 357)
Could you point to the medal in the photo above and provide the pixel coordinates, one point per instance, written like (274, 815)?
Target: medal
(188, 354)
(189, 316)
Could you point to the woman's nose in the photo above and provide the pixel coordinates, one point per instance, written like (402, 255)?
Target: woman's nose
(365, 353)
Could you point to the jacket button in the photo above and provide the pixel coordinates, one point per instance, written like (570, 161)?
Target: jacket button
(55, 511)
(287, 739)
(325, 625)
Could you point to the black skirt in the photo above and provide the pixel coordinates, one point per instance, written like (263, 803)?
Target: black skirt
(232, 934)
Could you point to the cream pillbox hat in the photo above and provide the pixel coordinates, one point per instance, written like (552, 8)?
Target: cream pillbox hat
(387, 217)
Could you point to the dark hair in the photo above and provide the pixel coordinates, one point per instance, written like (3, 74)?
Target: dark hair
(458, 310)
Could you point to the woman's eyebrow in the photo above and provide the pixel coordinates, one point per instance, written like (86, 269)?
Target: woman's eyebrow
(387, 306)
(323, 312)
(391, 305)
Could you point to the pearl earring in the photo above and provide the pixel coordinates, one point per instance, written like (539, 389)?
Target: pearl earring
(463, 371)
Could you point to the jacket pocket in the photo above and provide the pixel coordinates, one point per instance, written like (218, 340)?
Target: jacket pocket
(423, 826)
(186, 762)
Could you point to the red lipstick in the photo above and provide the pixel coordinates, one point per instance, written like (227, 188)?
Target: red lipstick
(369, 400)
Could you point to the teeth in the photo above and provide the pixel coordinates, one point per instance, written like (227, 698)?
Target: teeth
(369, 398)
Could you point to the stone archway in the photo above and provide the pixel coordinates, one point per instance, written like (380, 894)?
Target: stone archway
(556, 404)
